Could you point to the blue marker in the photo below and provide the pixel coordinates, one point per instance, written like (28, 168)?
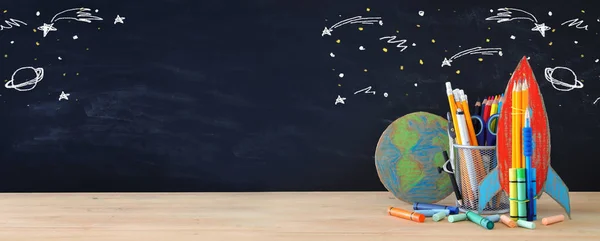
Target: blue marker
(431, 212)
(428, 206)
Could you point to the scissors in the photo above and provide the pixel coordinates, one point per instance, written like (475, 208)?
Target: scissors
(485, 131)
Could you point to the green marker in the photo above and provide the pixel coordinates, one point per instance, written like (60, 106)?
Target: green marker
(457, 218)
(439, 216)
(483, 222)
(521, 194)
(526, 224)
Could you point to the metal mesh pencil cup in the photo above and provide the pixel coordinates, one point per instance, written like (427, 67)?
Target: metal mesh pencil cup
(471, 165)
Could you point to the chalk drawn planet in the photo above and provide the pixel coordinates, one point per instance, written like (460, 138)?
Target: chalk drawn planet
(26, 85)
(408, 154)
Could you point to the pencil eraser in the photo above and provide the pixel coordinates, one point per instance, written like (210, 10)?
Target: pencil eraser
(448, 85)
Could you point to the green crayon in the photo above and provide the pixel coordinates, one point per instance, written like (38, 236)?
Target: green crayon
(439, 216)
(457, 217)
(483, 222)
(526, 224)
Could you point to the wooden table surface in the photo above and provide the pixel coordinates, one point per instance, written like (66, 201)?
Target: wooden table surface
(313, 216)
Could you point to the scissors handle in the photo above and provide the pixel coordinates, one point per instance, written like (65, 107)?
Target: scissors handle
(479, 124)
(492, 130)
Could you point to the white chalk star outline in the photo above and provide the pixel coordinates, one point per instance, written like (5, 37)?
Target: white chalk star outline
(119, 19)
(340, 100)
(63, 96)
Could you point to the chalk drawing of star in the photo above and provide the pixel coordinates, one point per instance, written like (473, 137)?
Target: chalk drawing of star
(542, 28)
(63, 96)
(326, 31)
(446, 62)
(119, 19)
(340, 100)
(46, 28)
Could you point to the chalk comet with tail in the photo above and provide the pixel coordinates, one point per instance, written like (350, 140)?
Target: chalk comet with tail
(546, 178)
(80, 15)
(352, 20)
(476, 50)
(506, 15)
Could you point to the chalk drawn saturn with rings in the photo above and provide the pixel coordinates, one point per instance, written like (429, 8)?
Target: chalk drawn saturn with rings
(30, 83)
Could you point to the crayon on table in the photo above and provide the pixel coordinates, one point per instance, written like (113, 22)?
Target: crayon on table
(457, 217)
(494, 218)
(439, 216)
(521, 194)
(507, 221)
(550, 220)
(429, 206)
(431, 212)
(405, 214)
(473, 217)
(525, 224)
(512, 178)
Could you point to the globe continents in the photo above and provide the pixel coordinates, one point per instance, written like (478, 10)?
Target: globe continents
(407, 157)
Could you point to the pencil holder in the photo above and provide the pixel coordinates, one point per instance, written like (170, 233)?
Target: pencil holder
(472, 165)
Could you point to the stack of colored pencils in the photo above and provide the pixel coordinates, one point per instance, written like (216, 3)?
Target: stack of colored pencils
(521, 174)
(471, 165)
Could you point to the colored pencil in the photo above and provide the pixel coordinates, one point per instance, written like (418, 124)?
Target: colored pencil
(486, 111)
(494, 110)
(524, 106)
(517, 125)
(513, 129)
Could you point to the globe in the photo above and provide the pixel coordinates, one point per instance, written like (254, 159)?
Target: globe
(407, 157)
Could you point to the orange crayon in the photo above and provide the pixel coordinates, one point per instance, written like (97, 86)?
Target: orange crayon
(553, 219)
(507, 221)
(410, 215)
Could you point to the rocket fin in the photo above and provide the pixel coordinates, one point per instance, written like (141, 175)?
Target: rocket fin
(489, 187)
(557, 190)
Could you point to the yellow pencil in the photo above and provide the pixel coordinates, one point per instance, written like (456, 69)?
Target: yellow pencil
(524, 106)
(494, 110)
(513, 128)
(453, 110)
(517, 125)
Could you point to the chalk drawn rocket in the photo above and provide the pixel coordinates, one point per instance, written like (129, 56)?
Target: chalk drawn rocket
(548, 180)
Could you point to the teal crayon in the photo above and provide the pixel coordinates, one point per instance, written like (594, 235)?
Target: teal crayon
(481, 221)
(494, 218)
(439, 216)
(525, 224)
(457, 217)
(431, 212)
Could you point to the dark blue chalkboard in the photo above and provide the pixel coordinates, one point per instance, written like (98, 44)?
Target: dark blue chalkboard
(188, 95)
